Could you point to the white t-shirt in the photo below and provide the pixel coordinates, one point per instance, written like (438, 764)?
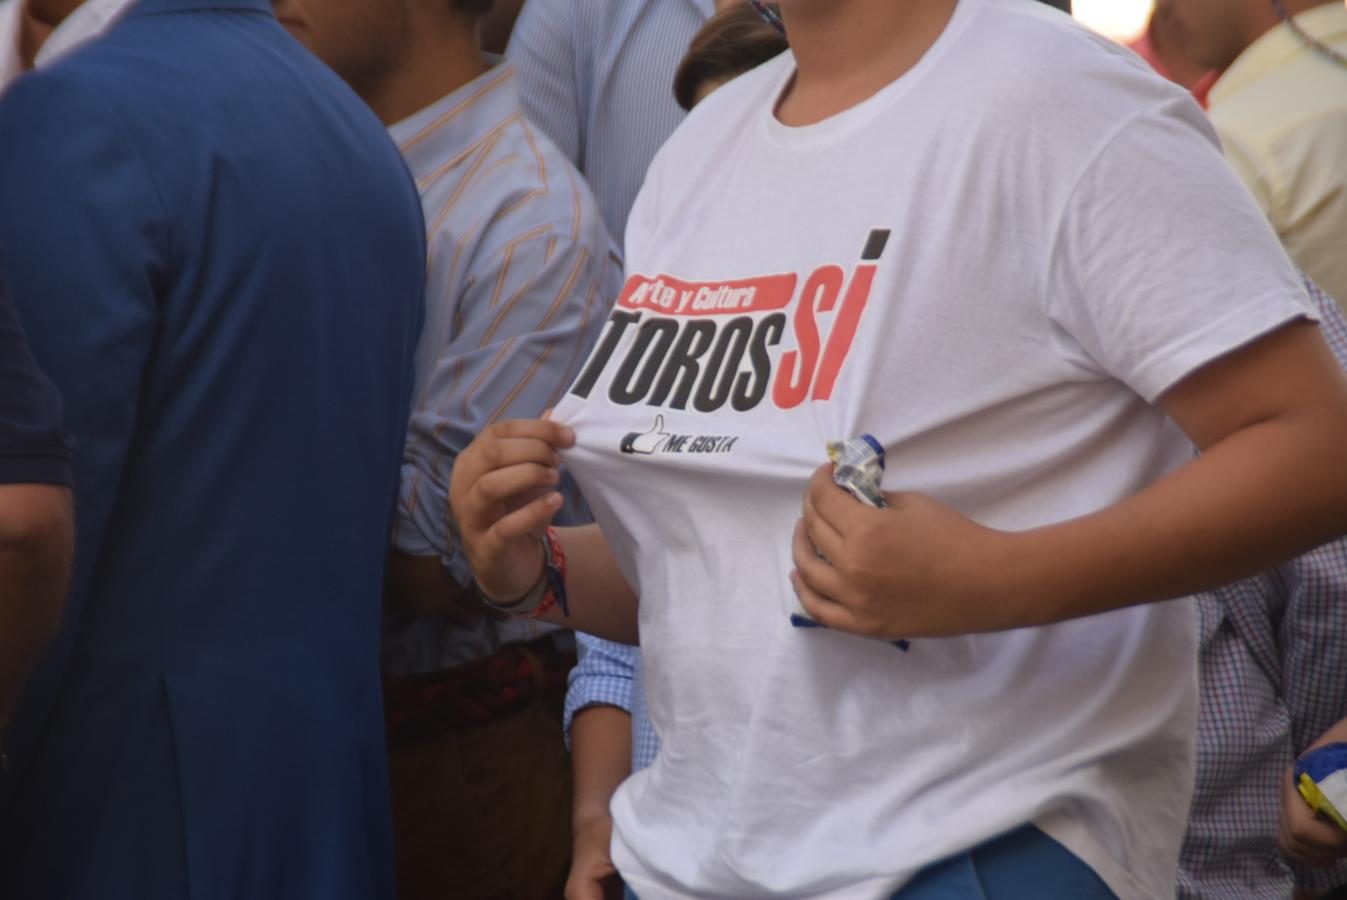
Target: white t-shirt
(995, 266)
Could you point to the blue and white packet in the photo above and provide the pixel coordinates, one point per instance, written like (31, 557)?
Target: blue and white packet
(859, 470)
(1321, 778)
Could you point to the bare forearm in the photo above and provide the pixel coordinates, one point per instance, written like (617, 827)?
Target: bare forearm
(1271, 421)
(1262, 495)
(601, 759)
(36, 546)
(504, 495)
(600, 600)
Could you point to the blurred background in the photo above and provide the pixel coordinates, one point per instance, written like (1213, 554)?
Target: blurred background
(1119, 19)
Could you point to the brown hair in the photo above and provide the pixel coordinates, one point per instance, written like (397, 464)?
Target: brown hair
(733, 42)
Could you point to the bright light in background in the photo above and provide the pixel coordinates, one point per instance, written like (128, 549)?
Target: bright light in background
(1121, 20)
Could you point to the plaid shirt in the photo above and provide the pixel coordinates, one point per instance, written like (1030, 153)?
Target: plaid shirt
(610, 674)
(1274, 677)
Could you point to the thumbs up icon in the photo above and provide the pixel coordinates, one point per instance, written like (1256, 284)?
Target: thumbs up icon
(646, 444)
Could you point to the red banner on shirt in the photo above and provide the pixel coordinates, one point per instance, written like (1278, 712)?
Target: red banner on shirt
(680, 357)
(674, 297)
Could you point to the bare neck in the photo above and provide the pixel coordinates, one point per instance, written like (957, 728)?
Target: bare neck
(444, 54)
(1167, 43)
(848, 50)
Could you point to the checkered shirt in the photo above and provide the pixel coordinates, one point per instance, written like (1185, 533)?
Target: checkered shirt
(610, 674)
(1273, 675)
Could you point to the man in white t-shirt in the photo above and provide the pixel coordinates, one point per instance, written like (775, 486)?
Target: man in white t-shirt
(1038, 301)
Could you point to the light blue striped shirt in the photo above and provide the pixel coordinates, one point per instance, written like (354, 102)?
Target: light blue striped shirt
(597, 77)
(520, 277)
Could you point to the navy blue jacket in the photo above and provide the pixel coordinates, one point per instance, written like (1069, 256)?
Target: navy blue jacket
(32, 448)
(218, 256)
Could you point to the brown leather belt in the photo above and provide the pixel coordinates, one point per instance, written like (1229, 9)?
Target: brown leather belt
(486, 690)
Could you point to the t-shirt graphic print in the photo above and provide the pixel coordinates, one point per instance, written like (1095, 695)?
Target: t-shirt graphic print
(708, 344)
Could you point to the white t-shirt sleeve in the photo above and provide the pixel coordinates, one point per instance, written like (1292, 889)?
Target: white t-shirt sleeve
(1163, 262)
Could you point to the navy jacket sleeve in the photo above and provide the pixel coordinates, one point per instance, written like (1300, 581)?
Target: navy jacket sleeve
(84, 245)
(32, 447)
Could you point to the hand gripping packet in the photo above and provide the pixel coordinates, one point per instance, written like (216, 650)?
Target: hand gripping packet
(858, 470)
(1321, 778)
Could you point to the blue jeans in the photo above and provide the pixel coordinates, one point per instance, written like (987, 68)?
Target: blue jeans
(1025, 864)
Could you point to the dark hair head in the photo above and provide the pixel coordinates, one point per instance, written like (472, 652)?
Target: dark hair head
(735, 41)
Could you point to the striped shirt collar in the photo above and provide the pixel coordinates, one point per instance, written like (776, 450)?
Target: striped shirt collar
(451, 126)
(1327, 23)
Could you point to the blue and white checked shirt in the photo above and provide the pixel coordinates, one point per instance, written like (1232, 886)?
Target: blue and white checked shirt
(1273, 671)
(520, 276)
(597, 77)
(611, 674)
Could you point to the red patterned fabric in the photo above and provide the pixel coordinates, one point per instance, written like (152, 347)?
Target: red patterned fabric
(485, 690)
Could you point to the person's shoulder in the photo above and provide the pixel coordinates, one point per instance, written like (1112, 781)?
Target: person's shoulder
(148, 62)
(185, 79)
(536, 191)
(61, 99)
(1302, 98)
(1060, 85)
(1014, 29)
(567, 194)
(1032, 57)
